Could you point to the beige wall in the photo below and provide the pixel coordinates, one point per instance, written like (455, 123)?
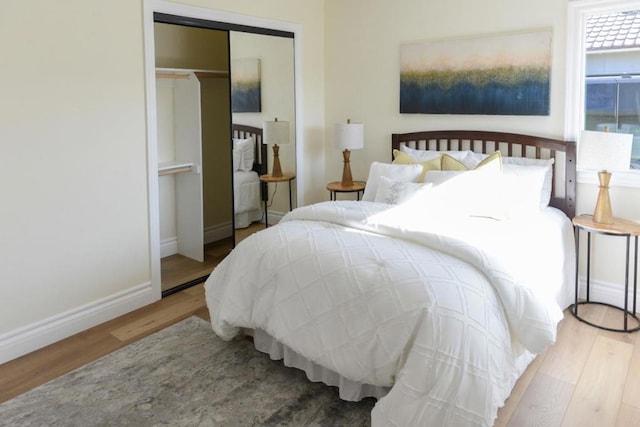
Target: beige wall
(362, 79)
(362, 66)
(74, 219)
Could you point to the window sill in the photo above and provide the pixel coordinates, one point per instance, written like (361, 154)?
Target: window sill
(618, 179)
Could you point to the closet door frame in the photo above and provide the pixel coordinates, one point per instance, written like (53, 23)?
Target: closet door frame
(235, 21)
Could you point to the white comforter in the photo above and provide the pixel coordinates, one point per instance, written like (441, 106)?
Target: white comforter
(447, 310)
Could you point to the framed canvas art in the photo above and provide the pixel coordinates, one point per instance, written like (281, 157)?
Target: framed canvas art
(505, 74)
(245, 86)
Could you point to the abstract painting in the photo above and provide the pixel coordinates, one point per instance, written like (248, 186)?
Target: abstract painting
(505, 74)
(245, 86)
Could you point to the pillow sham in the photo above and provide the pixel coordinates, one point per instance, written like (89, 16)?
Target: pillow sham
(400, 158)
(397, 172)
(245, 154)
(423, 155)
(395, 192)
(472, 159)
(493, 161)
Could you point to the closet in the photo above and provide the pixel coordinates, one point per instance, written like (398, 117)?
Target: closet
(181, 98)
(194, 150)
(192, 62)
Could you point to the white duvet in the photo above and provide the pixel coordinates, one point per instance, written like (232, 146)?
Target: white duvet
(447, 310)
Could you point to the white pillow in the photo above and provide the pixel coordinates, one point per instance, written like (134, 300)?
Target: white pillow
(395, 192)
(473, 159)
(402, 173)
(473, 193)
(246, 153)
(517, 191)
(526, 188)
(547, 164)
(237, 158)
(424, 155)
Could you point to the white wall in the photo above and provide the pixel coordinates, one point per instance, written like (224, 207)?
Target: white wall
(362, 66)
(363, 38)
(74, 221)
(74, 218)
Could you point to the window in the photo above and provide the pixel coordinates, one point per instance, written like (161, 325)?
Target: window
(613, 105)
(603, 71)
(612, 71)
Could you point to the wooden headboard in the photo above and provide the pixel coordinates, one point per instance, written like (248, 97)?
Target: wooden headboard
(259, 151)
(563, 195)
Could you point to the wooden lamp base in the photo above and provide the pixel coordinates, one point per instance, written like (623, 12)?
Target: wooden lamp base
(347, 179)
(602, 213)
(277, 170)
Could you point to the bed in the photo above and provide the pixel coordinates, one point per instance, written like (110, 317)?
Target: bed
(433, 293)
(249, 162)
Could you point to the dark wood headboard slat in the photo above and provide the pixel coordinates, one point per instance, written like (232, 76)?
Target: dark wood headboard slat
(259, 150)
(498, 140)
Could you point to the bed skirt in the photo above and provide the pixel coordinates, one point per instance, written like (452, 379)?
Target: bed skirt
(246, 218)
(348, 389)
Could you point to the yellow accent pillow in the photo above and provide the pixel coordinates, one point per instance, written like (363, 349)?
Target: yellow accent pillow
(448, 163)
(492, 162)
(400, 158)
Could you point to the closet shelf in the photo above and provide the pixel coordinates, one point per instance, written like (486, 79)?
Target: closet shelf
(179, 73)
(169, 168)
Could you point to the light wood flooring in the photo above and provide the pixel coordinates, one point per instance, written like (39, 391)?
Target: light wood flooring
(589, 377)
(178, 269)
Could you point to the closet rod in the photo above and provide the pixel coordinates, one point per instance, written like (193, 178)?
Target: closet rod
(173, 169)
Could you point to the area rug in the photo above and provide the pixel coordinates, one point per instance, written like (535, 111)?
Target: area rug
(184, 375)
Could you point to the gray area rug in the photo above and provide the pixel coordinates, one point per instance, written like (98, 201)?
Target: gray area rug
(184, 375)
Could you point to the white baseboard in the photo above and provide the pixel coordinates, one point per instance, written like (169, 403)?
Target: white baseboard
(218, 232)
(168, 247)
(31, 337)
(610, 293)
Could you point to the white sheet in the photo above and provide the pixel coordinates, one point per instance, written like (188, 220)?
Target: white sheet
(443, 318)
(246, 198)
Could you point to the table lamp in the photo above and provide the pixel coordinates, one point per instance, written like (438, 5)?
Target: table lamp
(349, 136)
(275, 133)
(604, 152)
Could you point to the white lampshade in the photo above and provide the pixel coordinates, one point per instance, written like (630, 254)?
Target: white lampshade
(349, 136)
(275, 132)
(604, 151)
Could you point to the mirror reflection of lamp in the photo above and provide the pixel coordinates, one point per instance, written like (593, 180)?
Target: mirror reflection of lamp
(275, 133)
(349, 136)
(604, 152)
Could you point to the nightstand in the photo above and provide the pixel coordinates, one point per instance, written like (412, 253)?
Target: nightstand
(337, 187)
(275, 179)
(619, 228)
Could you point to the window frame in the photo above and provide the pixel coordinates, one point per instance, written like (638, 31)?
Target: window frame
(577, 13)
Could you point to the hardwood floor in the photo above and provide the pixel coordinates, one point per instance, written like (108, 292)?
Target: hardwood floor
(178, 269)
(589, 377)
